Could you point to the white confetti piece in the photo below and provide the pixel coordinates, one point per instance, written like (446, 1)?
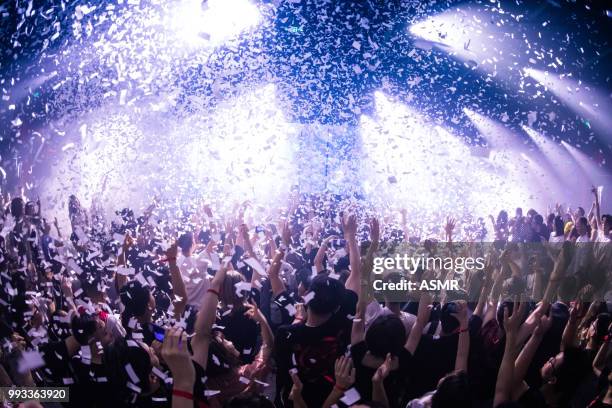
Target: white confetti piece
(30, 360)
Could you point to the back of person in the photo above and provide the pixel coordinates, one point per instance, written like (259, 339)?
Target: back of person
(313, 350)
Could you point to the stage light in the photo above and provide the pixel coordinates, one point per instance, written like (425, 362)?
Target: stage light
(562, 165)
(585, 100)
(433, 170)
(550, 149)
(472, 34)
(596, 173)
(444, 30)
(240, 150)
(212, 22)
(498, 137)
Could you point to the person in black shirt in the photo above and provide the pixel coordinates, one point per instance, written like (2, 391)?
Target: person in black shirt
(313, 347)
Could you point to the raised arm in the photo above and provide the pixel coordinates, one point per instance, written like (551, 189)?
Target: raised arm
(178, 286)
(379, 394)
(558, 272)
(176, 355)
(422, 318)
(267, 336)
(318, 261)
(597, 210)
(484, 290)
(345, 378)
(505, 376)
(276, 283)
(246, 240)
(349, 228)
(570, 332)
(121, 280)
(358, 330)
(463, 346)
(526, 355)
(599, 362)
(448, 230)
(206, 317)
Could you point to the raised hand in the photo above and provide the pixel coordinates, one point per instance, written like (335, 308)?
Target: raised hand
(461, 314)
(296, 390)
(449, 226)
(128, 241)
(543, 326)
(345, 372)
(172, 252)
(349, 226)
(253, 312)
(383, 371)
(67, 288)
(177, 357)
(424, 311)
(286, 233)
(513, 322)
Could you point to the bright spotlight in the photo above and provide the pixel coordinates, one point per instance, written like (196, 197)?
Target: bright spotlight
(445, 30)
(466, 32)
(213, 22)
(497, 135)
(585, 100)
(595, 172)
(417, 165)
(559, 159)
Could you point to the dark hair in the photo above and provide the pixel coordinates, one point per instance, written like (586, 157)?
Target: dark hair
(185, 241)
(17, 207)
(538, 219)
(304, 276)
(117, 357)
(502, 218)
(387, 334)
(570, 372)
(602, 322)
(447, 320)
(327, 294)
(135, 298)
(607, 219)
(510, 305)
(249, 401)
(220, 361)
(559, 226)
(83, 327)
(453, 392)
(91, 283)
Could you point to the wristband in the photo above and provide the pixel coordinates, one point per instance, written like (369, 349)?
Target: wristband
(464, 330)
(182, 394)
(211, 290)
(339, 388)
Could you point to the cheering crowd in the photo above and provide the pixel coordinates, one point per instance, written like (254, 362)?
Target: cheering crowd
(183, 308)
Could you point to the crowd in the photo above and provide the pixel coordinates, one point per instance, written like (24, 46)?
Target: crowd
(192, 310)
